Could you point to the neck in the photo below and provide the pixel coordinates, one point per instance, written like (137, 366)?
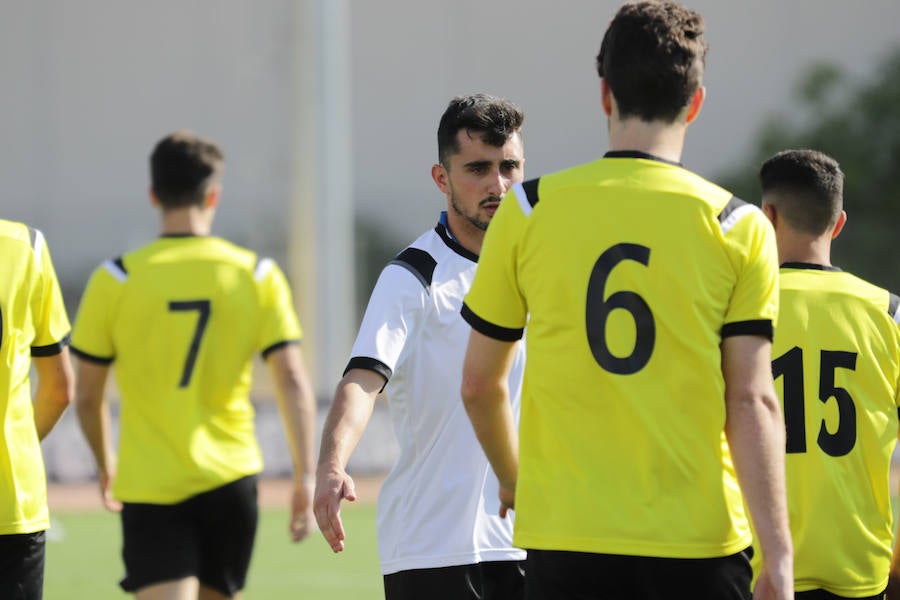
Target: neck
(665, 140)
(468, 236)
(803, 249)
(190, 220)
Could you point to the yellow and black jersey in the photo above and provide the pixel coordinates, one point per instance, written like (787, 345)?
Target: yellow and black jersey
(836, 361)
(182, 318)
(629, 271)
(33, 322)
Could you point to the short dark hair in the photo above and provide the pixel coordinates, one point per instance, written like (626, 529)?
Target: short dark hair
(496, 119)
(183, 166)
(652, 56)
(807, 187)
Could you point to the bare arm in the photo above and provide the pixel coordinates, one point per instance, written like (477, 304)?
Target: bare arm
(55, 387)
(754, 427)
(485, 394)
(93, 416)
(893, 587)
(353, 403)
(296, 403)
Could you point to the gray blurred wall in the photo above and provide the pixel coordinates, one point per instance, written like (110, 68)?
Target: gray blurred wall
(90, 86)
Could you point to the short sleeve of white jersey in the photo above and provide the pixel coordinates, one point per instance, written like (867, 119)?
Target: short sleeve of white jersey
(395, 310)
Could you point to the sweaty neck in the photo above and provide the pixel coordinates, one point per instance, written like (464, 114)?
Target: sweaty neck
(665, 140)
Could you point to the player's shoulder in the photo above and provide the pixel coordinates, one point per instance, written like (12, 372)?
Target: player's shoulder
(420, 258)
(881, 298)
(22, 236)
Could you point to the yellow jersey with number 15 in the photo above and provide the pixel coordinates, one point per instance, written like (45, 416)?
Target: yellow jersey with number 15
(33, 322)
(181, 319)
(629, 272)
(836, 361)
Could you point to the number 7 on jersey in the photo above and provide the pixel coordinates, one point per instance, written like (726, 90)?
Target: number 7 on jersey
(203, 308)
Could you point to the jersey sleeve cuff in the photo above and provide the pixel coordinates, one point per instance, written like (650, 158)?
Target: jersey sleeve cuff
(100, 360)
(277, 346)
(760, 327)
(51, 349)
(370, 364)
(504, 334)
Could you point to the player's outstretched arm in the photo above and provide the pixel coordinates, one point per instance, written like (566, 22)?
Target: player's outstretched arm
(56, 383)
(485, 394)
(297, 406)
(350, 412)
(755, 430)
(93, 416)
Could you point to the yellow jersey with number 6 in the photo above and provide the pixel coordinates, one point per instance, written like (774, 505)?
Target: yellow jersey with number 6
(180, 319)
(629, 271)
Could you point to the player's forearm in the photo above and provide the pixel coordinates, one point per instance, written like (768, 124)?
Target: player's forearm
(54, 392)
(50, 402)
(755, 432)
(94, 419)
(298, 414)
(489, 411)
(347, 420)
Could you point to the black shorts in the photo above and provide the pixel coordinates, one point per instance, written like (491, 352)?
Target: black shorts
(22, 566)
(557, 575)
(208, 536)
(823, 595)
(493, 580)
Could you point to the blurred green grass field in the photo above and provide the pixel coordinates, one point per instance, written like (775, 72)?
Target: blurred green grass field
(83, 559)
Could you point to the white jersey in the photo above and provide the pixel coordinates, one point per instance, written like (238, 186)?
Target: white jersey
(438, 506)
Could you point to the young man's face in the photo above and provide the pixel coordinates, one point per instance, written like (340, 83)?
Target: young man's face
(478, 177)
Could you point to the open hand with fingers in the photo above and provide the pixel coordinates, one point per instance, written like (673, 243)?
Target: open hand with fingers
(332, 486)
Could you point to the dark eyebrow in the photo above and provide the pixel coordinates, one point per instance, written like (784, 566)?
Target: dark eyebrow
(477, 163)
(512, 162)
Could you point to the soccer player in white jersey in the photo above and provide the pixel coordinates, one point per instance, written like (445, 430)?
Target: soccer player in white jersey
(439, 533)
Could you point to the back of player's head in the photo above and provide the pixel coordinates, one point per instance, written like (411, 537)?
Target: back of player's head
(183, 166)
(807, 188)
(495, 119)
(652, 57)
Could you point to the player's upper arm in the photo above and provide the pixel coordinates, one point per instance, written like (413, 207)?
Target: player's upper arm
(750, 244)
(92, 336)
(279, 325)
(495, 305)
(394, 313)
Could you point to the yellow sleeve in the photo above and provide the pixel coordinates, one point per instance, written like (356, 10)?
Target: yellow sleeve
(278, 319)
(92, 335)
(494, 305)
(754, 299)
(51, 321)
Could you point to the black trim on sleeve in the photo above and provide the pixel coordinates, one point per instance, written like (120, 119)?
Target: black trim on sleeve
(370, 364)
(51, 349)
(733, 204)
(531, 190)
(760, 327)
(100, 360)
(277, 346)
(119, 263)
(893, 305)
(419, 263)
(504, 334)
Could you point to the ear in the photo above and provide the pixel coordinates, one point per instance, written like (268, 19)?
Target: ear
(839, 226)
(441, 178)
(606, 97)
(212, 196)
(771, 212)
(696, 104)
(154, 201)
